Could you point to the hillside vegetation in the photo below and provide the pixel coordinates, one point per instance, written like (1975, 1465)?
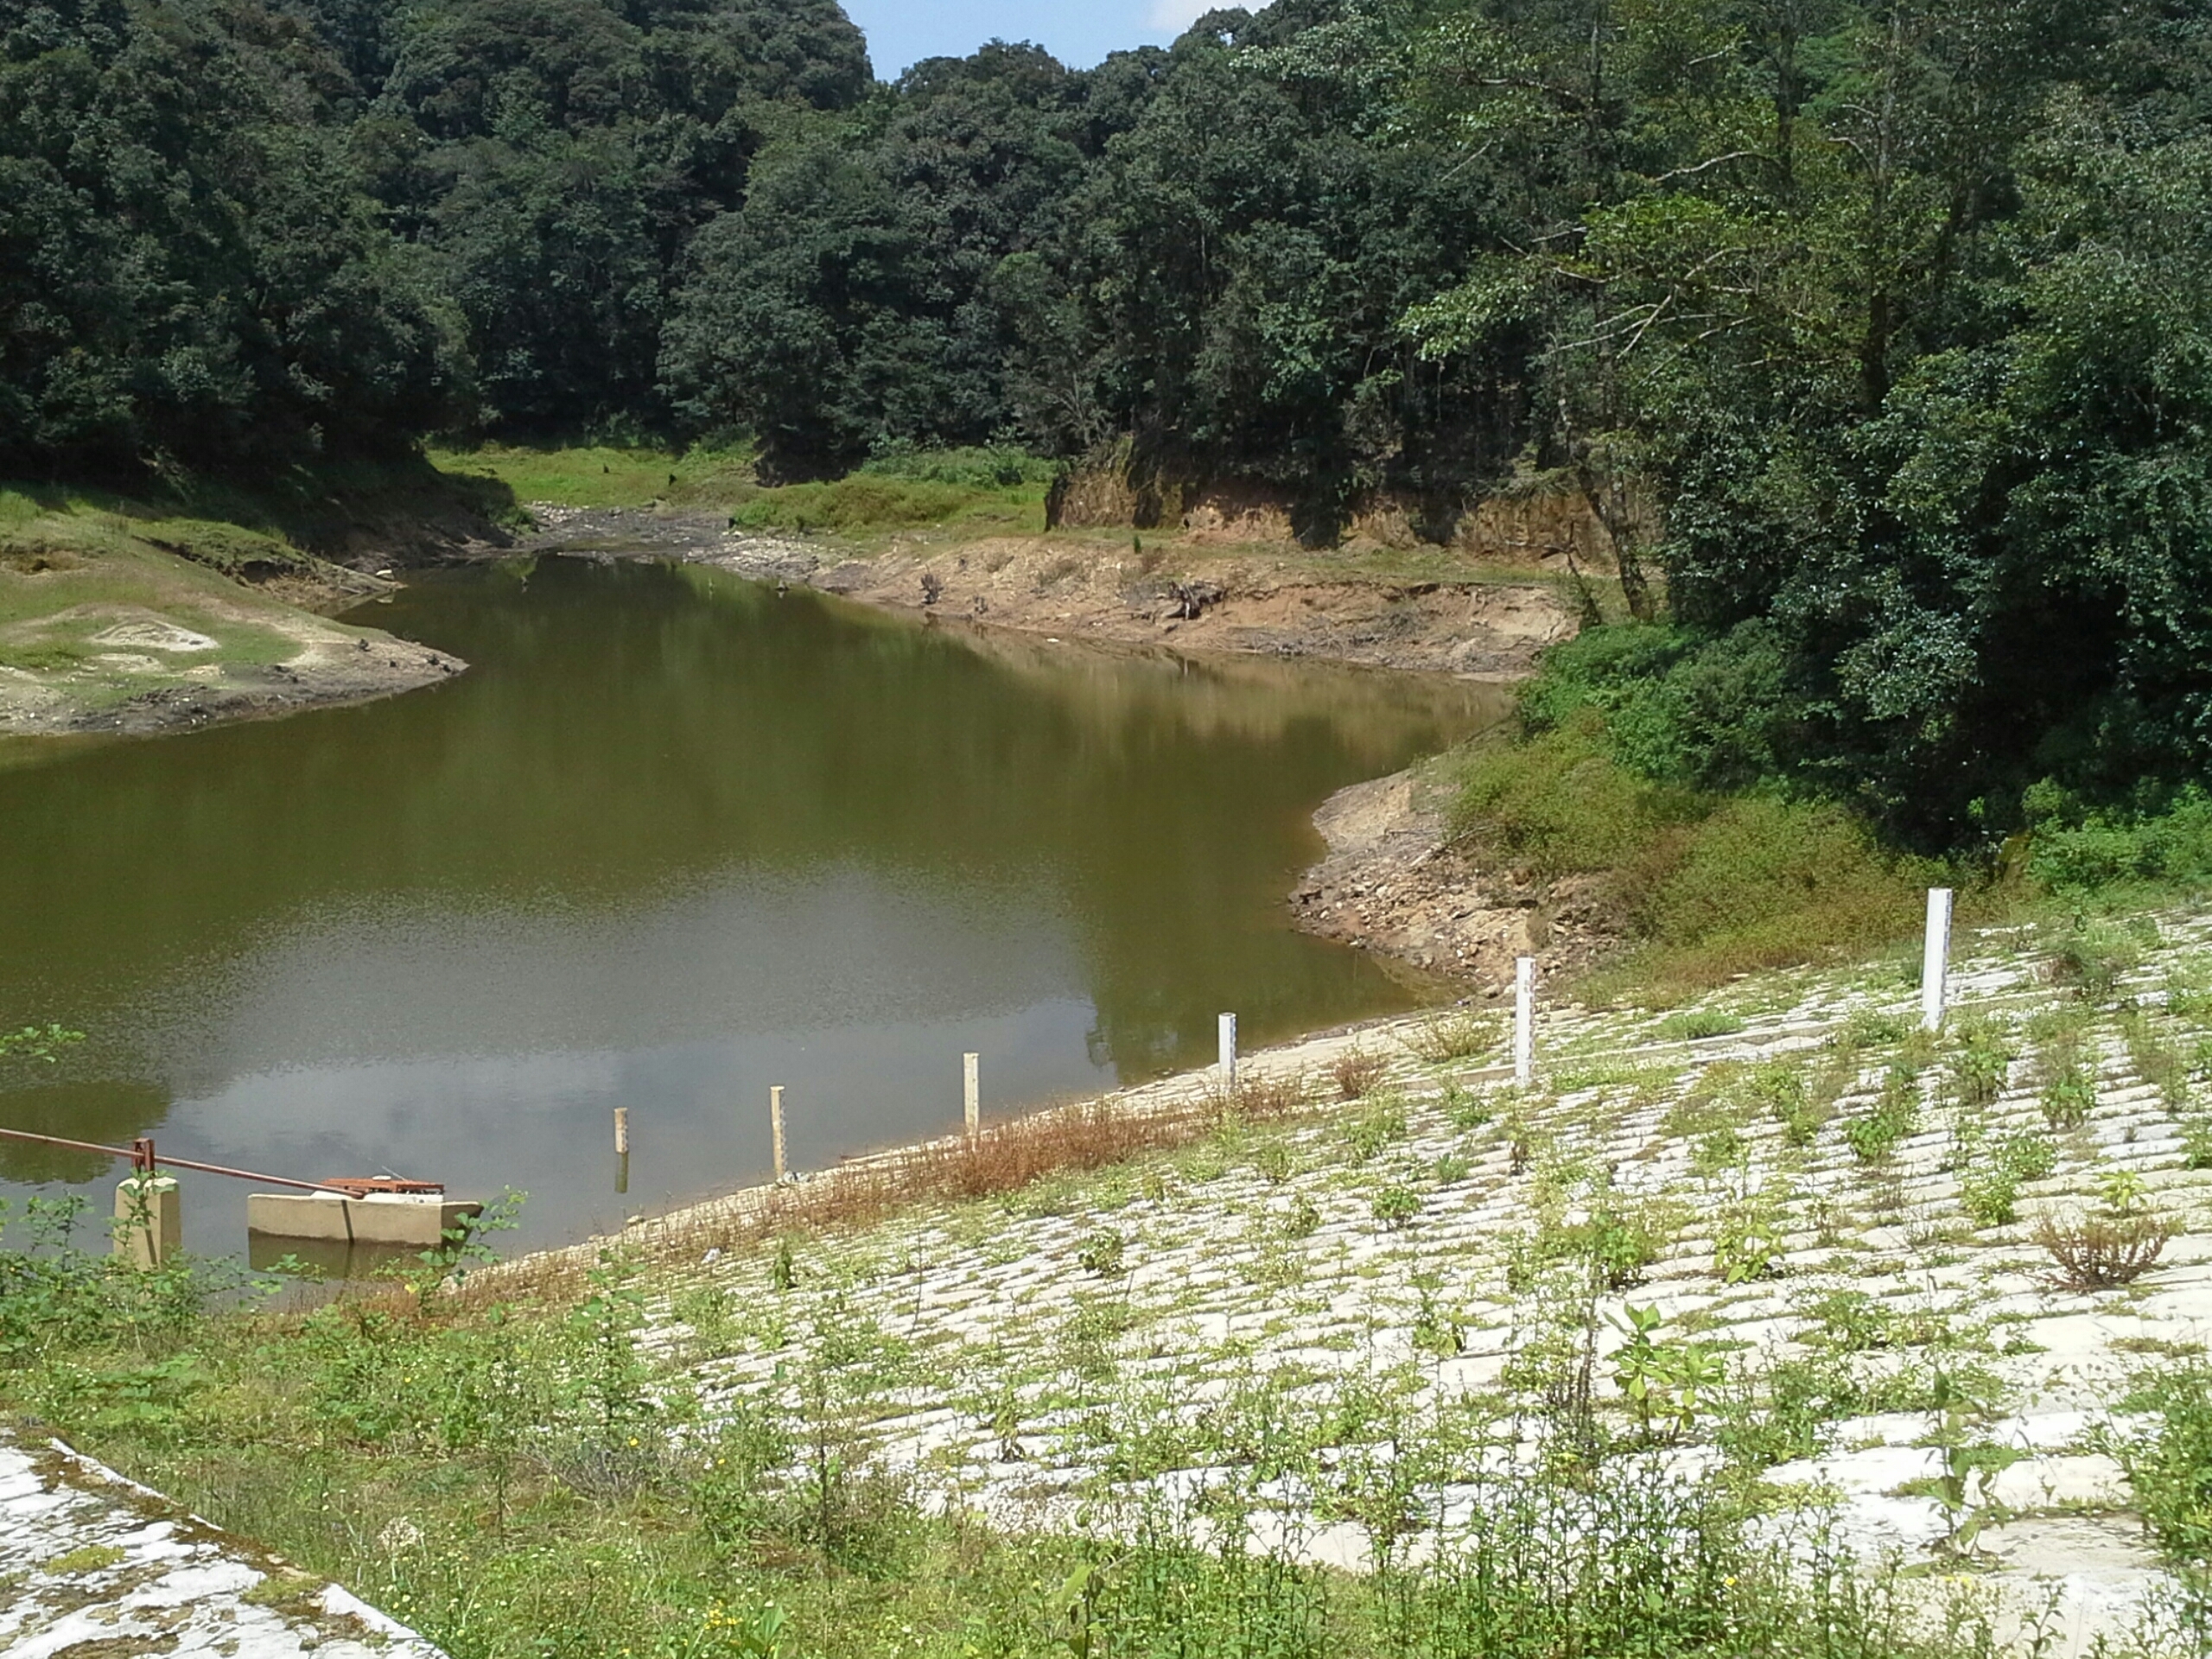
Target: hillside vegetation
(1869, 339)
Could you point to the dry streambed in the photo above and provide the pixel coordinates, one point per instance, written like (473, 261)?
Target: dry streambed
(1782, 1189)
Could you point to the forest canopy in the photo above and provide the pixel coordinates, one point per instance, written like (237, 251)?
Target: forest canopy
(1880, 334)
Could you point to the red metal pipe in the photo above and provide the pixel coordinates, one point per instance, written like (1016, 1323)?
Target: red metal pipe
(142, 1156)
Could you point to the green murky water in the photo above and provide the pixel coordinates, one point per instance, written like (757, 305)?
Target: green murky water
(674, 839)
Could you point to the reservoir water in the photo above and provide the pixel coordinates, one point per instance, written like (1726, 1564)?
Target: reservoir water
(674, 838)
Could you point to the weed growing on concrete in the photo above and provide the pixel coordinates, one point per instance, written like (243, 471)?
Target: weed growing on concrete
(1356, 1071)
(1461, 1034)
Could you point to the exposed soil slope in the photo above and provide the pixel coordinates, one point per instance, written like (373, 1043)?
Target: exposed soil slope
(1393, 884)
(1196, 597)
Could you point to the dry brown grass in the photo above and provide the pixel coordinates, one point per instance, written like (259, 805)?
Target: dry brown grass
(1356, 1071)
(1003, 1158)
(2102, 1252)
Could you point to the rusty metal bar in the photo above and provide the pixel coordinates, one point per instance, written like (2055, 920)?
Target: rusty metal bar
(140, 1155)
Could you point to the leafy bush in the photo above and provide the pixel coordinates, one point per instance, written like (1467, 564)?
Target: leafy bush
(2166, 1453)
(2092, 956)
(1989, 1194)
(1875, 1133)
(1466, 1108)
(1982, 1059)
(1102, 1253)
(2096, 853)
(1382, 1122)
(1748, 1244)
(1395, 1206)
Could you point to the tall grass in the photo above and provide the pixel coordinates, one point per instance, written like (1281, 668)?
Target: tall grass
(981, 488)
(1001, 1158)
(1702, 886)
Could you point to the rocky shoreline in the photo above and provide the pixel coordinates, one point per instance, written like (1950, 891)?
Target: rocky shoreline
(1190, 598)
(1394, 883)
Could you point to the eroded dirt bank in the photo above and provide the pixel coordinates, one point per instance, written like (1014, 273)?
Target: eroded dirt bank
(1394, 883)
(1195, 598)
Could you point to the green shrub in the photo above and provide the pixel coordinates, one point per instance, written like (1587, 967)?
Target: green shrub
(1395, 1206)
(1781, 1086)
(2167, 1457)
(2068, 1091)
(1382, 1122)
(1692, 1024)
(2169, 849)
(1989, 1194)
(1982, 1060)
(1709, 886)
(2196, 1143)
(1466, 1108)
(2093, 955)
(1748, 1244)
(857, 502)
(1102, 1253)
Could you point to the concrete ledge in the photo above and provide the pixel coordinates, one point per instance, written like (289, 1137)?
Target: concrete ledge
(420, 1221)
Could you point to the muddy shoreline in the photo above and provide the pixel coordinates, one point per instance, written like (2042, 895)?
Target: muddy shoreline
(1180, 596)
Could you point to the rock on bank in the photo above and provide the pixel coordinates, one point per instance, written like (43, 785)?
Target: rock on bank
(1394, 883)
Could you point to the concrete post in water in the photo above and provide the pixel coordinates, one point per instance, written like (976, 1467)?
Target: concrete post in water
(1935, 959)
(1525, 1021)
(971, 1093)
(776, 1125)
(1229, 1053)
(149, 1219)
(622, 1130)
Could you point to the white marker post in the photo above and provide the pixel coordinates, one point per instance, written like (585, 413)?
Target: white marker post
(622, 1131)
(1525, 1021)
(1935, 959)
(971, 1093)
(1229, 1053)
(776, 1125)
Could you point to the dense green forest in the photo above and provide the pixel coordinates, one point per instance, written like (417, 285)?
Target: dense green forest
(1880, 334)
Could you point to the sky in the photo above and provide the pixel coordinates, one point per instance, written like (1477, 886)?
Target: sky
(1076, 32)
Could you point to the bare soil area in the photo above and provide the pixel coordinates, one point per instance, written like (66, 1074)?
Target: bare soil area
(1193, 596)
(101, 631)
(1395, 883)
